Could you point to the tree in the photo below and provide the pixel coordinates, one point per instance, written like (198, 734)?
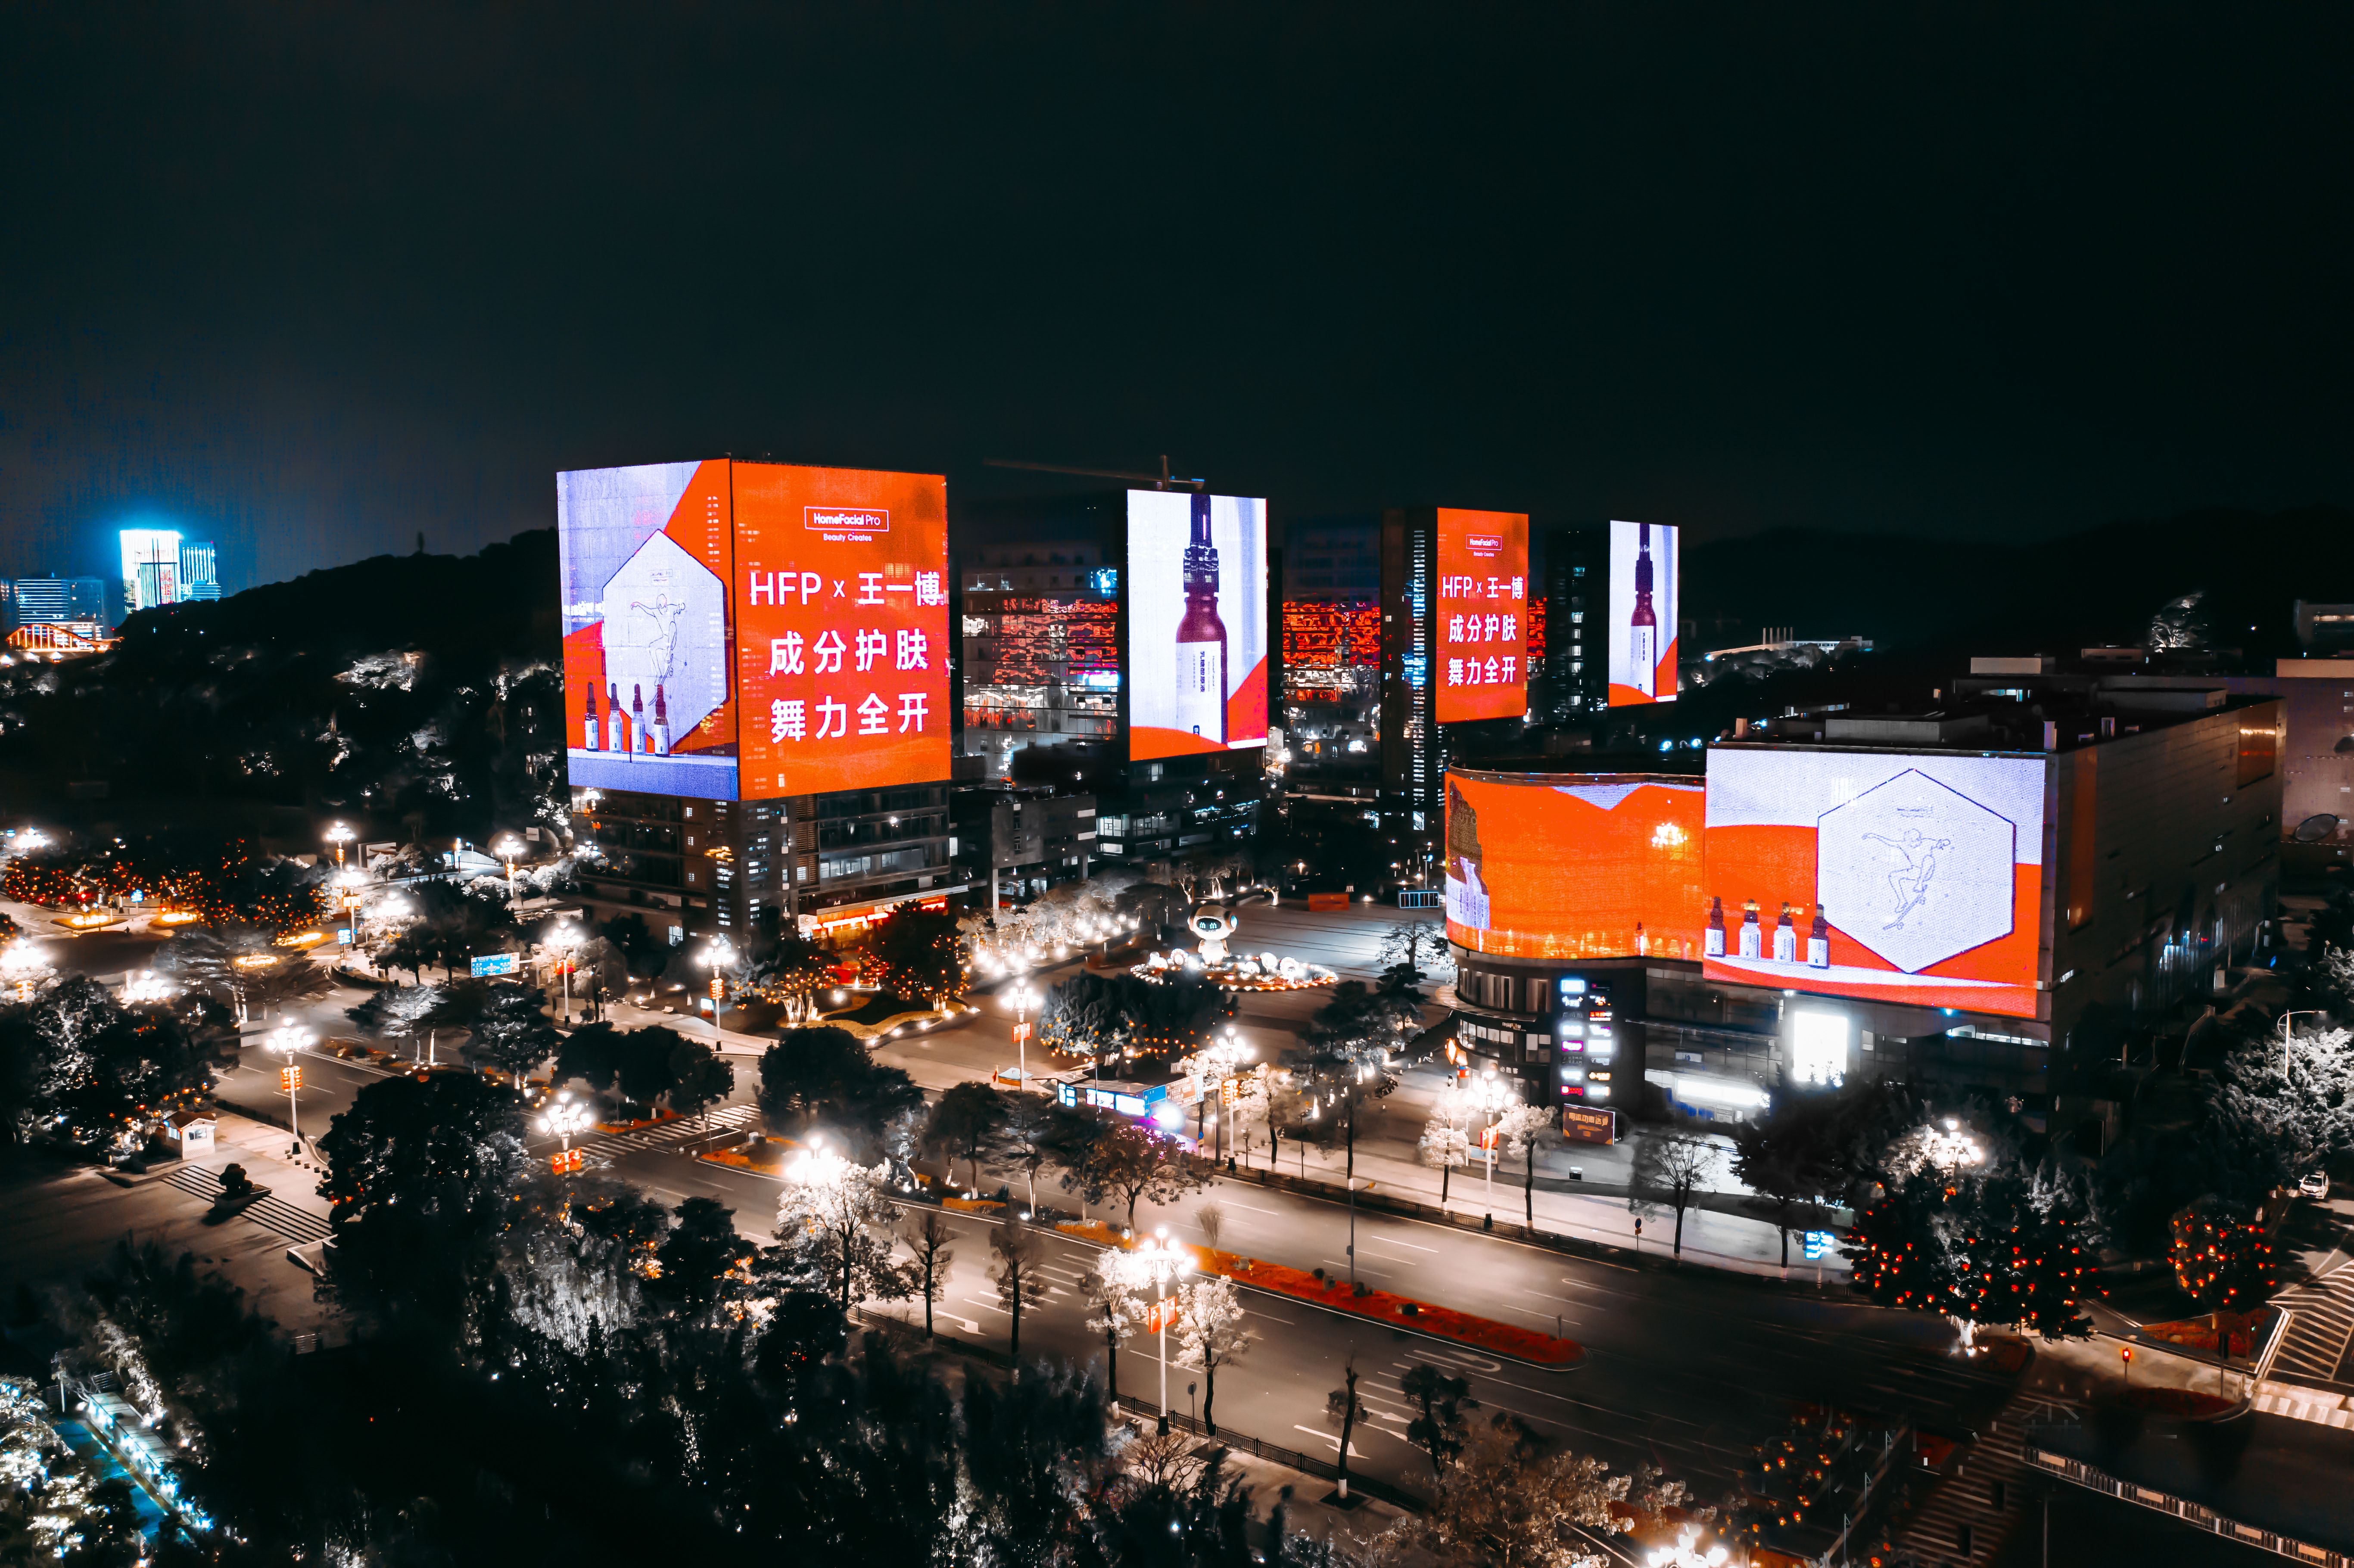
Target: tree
(1343, 1409)
(965, 1122)
(700, 1263)
(1346, 1049)
(836, 1221)
(2222, 1258)
(1995, 1249)
(512, 1031)
(699, 1079)
(399, 1014)
(650, 1059)
(825, 1078)
(1113, 1288)
(1669, 1169)
(1503, 1502)
(927, 1276)
(1082, 1016)
(1037, 1129)
(76, 1056)
(2271, 1122)
(592, 1054)
(1897, 1250)
(919, 952)
(1439, 1401)
(417, 1174)
(1017, 1273)
(1443, 1147)
(1521, 1131)
(1784, 1158)
(1211, 1331)
(1414, 943)
(1126, 1162)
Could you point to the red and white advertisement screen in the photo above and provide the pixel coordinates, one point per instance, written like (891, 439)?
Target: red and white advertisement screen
(1639, 630)
(1573, 865)
(1482, 614)
(1196, 600)
(1914, 879)
(841, 628)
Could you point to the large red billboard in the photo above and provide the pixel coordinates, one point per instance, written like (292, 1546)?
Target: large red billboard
(1573, 865)
(1482, 613)
(1196, 600)
(1901, 878)
(746, 630)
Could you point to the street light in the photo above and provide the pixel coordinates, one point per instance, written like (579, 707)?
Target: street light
(339, 835)
(719, 955)
(1164, 1260)
(1490, 1096)
(1023, 999)
(563, 1118)
(290, 1041)
(508, 849)
(2300, 1012)
(565, 941)
(21, 966)
(1950, 1148)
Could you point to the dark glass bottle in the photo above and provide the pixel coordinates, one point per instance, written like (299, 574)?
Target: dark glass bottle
(1643, 626)
(1200, 706)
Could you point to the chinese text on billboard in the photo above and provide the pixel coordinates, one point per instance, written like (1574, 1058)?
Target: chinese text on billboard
(745, 630)
(1482, 614)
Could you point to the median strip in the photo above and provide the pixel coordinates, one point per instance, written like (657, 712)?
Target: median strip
(1378, 1306)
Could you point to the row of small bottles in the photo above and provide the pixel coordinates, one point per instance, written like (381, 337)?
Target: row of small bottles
(1785, 936)
(628, 733)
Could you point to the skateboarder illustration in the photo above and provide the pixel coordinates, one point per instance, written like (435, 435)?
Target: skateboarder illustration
(665, 618)
(1910, 882)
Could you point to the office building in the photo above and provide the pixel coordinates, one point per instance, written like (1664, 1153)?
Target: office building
(1021, 842)
(1330, 743)
(1569, 676)
(1995, 898)
(76, 603)
(150, 567)
(1065, 679)
(199, 571)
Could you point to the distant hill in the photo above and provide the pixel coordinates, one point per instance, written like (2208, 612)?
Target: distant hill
(2080, 590)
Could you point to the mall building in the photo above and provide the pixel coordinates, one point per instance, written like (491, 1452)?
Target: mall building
(1994, 898)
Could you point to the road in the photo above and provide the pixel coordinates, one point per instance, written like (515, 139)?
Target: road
(1686, 1369)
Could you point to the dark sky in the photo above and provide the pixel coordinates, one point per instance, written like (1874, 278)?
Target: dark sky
(310, 282)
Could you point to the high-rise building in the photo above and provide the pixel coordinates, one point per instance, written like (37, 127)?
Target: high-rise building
(150, 567)
(76, 602)
(1330, 648)
(1573, 680)
(199, 571)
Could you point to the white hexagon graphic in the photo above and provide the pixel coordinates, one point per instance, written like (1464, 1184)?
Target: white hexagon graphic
(666, 626)
(1915, 871)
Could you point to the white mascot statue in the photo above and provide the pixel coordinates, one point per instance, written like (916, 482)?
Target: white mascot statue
(1214, 924)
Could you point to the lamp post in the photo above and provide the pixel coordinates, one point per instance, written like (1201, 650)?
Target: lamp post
(21, 966)
(565, 941)
(1164, 1262)
(288, 1041)
(1490, 1097)
(717, 956)
(1023, 999)
(1950, 1148)
(508, 849)
(339, 835)
(563, 1118)
(2300, 1012)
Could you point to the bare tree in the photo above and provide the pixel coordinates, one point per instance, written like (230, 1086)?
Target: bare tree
(1343, 1409)
(1020, 1281)
(1445, 1147)
(1211, 1219)
(1210, 1327)
(929, 1239)
(1521, 1131)
(1669, 1170)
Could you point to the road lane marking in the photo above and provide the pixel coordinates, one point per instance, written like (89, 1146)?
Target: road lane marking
(1393, 1241)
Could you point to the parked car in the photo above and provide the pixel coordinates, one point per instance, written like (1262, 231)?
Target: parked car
(2315, 1185)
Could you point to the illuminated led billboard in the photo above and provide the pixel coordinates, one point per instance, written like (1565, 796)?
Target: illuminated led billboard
(1911, 879)
(1573, 865)
(746, 630)
(1639, 632)
(1196, 623)
(1482, 615)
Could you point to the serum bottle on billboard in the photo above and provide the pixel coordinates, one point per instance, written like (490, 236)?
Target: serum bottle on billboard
(616, 740)
(1712, 942)
(1749, 932)
(1643, 626)
(1202, 637)
(661, 747)
(591, 731)
(1786, 940)
(1642, 941)
(1819, 942)
(638, 719)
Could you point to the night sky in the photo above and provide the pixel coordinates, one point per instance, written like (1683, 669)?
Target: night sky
(309, 283)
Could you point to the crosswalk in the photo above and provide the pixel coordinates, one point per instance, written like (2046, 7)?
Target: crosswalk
(602, 1148)
(297, 1225)
(2318, 1337)
(1964, 1522)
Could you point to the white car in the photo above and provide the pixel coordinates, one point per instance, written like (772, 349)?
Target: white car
(2315, 1185)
